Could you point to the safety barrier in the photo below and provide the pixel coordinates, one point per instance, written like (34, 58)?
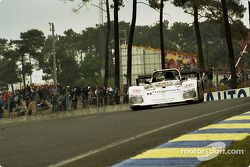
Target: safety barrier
(227, 94)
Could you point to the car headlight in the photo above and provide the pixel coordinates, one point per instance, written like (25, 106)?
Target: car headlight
(189, 94)
(136, 100)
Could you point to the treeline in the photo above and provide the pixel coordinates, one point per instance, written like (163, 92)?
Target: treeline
(84, 58)
(80, 56)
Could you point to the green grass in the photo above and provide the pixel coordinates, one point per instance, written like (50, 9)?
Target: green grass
(232, 160)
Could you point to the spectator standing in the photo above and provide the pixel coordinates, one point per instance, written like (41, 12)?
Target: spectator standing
(102, 95)
(210, 79)
(31, 107)
(125, 94)
(91, 96)
(54, 103)
(97, 95)
(110, 93)
(1, 107)
(11, 104)
(117, 96)
(84, 97)
(68, 98)
(5, 97)
(74, 99)
(27, 97)
(54, 90)
(61, 102)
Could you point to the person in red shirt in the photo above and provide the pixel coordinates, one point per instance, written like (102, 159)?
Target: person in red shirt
(1, 107)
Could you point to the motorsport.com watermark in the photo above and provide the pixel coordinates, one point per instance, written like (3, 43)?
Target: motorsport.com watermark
(211, 151)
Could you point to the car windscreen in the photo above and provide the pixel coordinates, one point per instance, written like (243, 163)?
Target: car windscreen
(165, 75)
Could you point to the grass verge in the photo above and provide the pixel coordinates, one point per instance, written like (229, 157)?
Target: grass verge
(229, 160)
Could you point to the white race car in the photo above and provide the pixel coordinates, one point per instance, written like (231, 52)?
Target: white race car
(166, 86)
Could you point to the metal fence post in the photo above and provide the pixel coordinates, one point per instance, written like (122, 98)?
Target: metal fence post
(67, 98)
(36, 101)
(97, 100)
(217, 79)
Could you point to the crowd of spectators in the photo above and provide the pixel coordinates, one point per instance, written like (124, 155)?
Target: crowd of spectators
(35, 98)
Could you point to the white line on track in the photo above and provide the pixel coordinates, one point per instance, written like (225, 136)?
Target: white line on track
(42, 119)
(2, 123)
(67, 161)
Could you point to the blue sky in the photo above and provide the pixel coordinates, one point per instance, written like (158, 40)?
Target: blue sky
(21, 15)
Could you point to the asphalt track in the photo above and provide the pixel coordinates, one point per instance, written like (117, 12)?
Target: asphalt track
(106, 139)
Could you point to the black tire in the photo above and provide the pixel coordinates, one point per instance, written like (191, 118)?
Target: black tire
(136, 108)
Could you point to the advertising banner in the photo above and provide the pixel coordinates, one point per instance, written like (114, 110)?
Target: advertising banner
(227, 94)
(180, 60)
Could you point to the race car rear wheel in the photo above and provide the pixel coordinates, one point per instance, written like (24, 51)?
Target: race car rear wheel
(136, 108)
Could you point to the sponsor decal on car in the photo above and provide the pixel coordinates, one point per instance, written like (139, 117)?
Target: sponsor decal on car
(162, 91)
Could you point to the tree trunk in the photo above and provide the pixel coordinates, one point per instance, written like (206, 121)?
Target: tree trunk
(229, 45)
(23, 73)
(106, 75)
(12, 88)
(198, 35)
(162, 37)
(117, 45)
(130, 43)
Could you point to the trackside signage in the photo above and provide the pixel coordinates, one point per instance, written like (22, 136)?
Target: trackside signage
(227, 94)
